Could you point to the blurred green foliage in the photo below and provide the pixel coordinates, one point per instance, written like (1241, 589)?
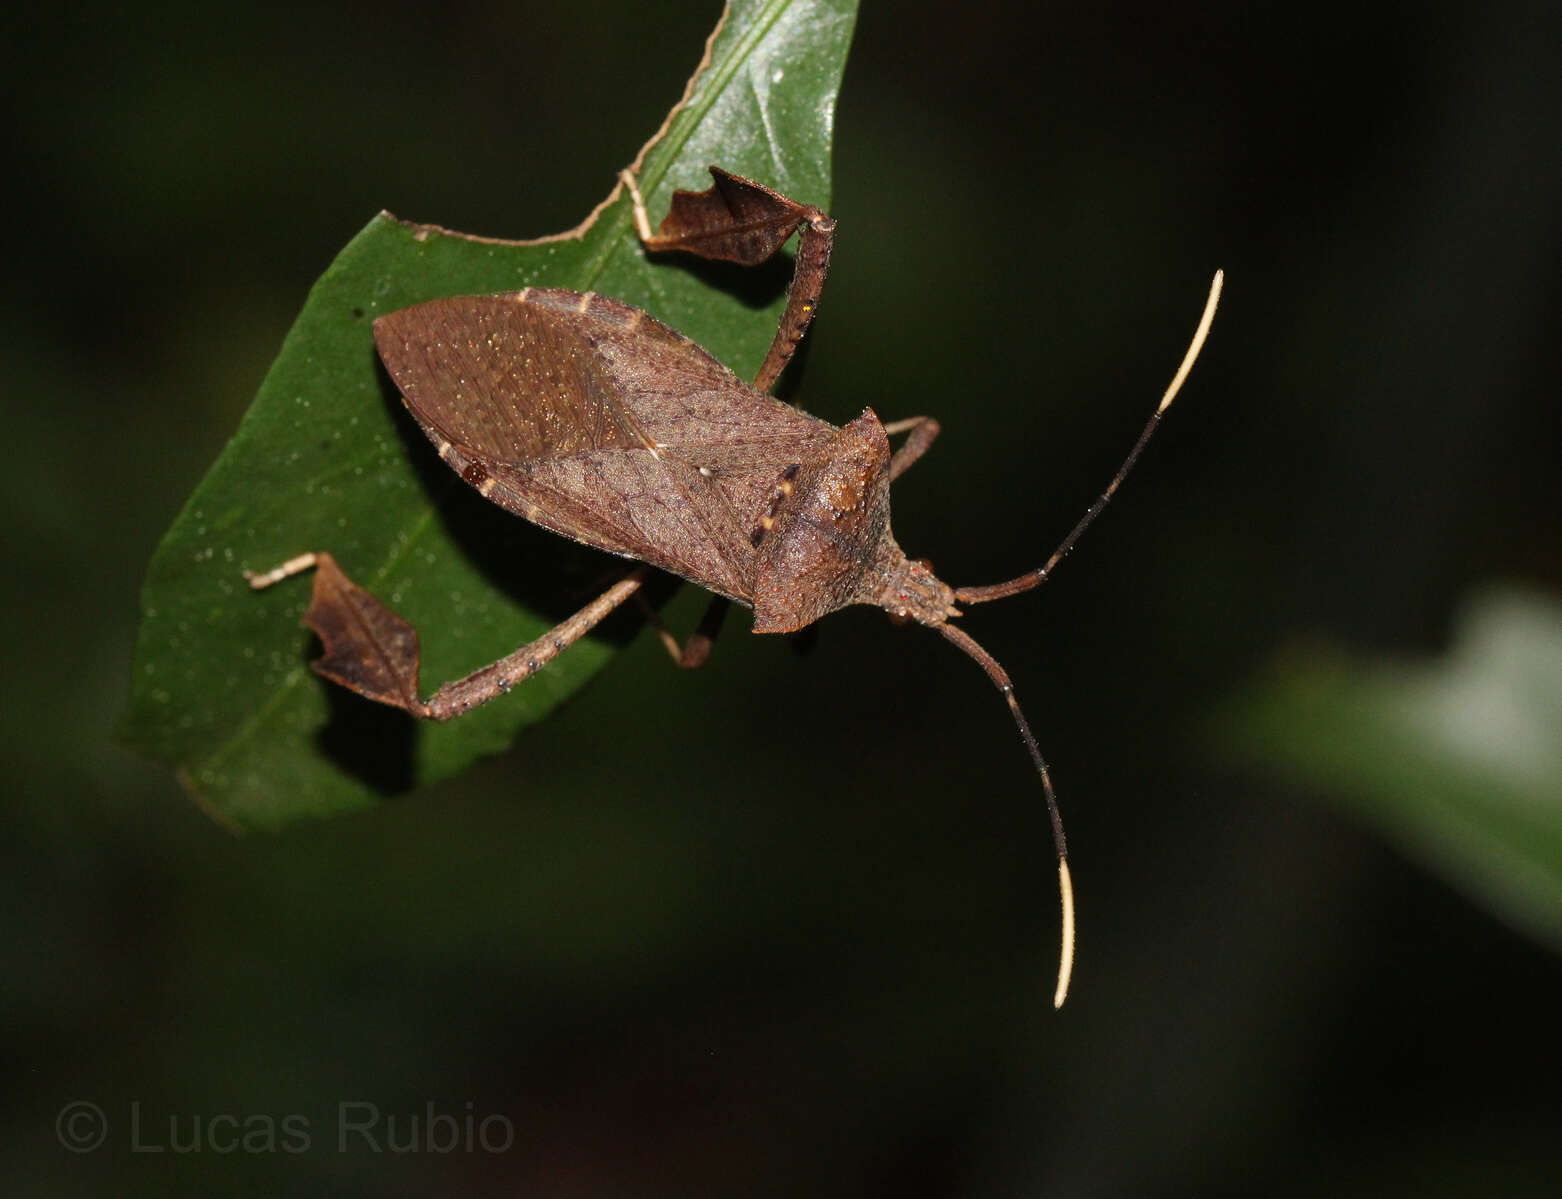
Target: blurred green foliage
(1458, 761)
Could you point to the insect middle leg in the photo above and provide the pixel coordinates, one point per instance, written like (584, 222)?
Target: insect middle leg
(696, 651)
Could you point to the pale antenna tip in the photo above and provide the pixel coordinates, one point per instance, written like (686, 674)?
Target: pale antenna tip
(1197, 343)
(1066, 957)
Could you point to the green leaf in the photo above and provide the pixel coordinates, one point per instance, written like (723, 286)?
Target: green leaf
(326, 459)
(1457, 761)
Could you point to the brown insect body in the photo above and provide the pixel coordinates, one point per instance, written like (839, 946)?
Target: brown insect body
(592, 419)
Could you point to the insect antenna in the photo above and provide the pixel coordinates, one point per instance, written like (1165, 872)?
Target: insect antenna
(981, 595)
(1000, 678)
(1025, 582)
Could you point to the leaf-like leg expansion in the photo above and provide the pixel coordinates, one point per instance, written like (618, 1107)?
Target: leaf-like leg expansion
(924, 431)
(371, 650)
(738, 220)
(368, 648)
(696, 651)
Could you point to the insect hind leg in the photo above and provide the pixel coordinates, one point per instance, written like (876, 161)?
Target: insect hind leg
(739, 220)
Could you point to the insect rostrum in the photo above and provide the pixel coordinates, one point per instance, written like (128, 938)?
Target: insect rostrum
(590, 418)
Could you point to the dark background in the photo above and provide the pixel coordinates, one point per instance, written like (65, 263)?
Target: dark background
(786, 925)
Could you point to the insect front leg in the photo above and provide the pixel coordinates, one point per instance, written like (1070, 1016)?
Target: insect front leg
(373, 651)
(741, 221)
(924, 431)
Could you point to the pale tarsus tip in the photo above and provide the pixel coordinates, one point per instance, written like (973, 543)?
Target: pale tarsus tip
(258, 581)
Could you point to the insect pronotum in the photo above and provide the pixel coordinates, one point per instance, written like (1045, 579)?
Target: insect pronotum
(592, 419)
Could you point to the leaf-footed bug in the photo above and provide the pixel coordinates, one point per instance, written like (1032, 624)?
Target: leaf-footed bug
(590, 418)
